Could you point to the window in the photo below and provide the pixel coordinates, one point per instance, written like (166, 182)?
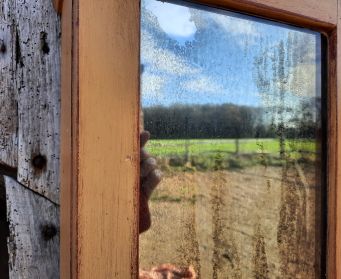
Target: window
(100, 150)
(233, 104)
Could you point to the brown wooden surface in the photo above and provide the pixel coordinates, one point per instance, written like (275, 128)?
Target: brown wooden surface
(338, 151)
(104, 145)
(332, 162)
(317, 14)
(108, 138)
(66, 138)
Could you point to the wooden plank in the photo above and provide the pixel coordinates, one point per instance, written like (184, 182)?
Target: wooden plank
(75, 141)
(33, 242)
(8, 102)
(108, 139)
(38, 54)
(332, 156)
(316, 14)
(334, 153)
(67, 195)
(29, 115)
(338, 150)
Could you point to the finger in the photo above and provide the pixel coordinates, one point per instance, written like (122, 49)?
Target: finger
(144, 155)
(150, 182)
(174, 272)
(144, 214)
(144, 137)
(166, 267)
(147, 166)
(145, 275)
(193, 273)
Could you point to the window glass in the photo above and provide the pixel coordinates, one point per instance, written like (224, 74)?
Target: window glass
(233, 105)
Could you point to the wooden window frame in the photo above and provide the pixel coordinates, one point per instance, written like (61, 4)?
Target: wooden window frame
(100, 116)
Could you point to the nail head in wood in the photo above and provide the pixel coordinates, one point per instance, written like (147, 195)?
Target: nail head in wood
(48, 231)
(39, 162)
(58, 5)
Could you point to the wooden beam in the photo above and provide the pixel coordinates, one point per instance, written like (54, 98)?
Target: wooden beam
(108, 104)
(338, 150)
(100, 146)
(332, 156)
(315, 14)
(68, 193)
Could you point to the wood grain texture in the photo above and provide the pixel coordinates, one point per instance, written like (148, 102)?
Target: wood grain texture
(316, 14)
(108, 139)
(68, 197)
(331, 180)
(338, 151)
(38, 54)
(8, 100)
(332, 155)
(29, 125)
(33, 242)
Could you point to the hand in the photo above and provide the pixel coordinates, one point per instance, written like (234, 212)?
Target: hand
(150, 177)
(168, 271)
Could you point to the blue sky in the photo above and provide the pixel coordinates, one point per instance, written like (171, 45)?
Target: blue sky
(195, 56)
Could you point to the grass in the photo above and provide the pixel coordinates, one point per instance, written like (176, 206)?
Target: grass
(166, 148)
(220, 154)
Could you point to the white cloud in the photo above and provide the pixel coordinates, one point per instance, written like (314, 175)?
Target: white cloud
(235, 26)
(239, 27)
(164, 65)
(173, 19)
(152, 85)
(203, 84)
(162, 59)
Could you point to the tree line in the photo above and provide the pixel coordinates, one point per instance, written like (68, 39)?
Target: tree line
(205, 121)
(221, 121)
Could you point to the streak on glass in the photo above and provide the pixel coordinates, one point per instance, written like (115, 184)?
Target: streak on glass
(233, 105)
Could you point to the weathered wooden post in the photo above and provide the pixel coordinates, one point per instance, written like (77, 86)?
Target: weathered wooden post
(29, 138)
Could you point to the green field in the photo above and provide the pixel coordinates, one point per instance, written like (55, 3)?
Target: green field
(166, 148)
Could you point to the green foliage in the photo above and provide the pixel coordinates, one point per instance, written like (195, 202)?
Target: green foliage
(166, 148)
(218, 161)
(214, 155)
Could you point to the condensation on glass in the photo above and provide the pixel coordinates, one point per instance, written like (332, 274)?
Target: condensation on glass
(233, 104)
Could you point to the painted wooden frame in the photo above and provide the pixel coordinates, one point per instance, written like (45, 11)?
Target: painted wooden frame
(100, 116)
